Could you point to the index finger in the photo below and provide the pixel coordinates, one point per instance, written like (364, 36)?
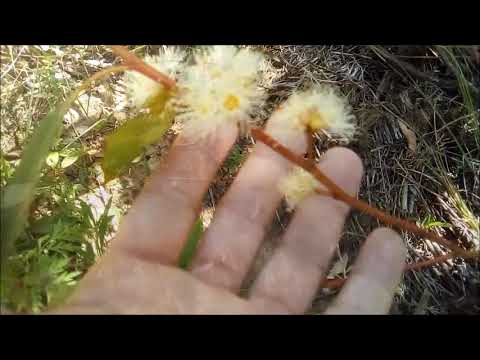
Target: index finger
(157, 226)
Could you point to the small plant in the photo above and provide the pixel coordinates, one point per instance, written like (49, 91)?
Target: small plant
(55, 249)
(48, 232)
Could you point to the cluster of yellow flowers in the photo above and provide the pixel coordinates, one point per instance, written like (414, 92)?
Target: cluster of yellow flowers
(297, 186)
(141, 89)
(221, 84)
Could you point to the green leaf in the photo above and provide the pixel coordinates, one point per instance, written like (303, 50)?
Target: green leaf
(19, 191)
(103, 226)
(69, 160)
(128, 141)
(52, 159)
(70, 156)
(191, 246)
(435, 224)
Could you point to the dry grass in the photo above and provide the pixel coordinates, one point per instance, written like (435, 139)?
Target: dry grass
(432, 90)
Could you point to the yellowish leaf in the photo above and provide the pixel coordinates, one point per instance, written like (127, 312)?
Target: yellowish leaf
(409, 135)
(52, 159)
(127, 142)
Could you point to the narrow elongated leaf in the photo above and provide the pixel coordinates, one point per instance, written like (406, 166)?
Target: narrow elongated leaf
(191, 246)
(19, 191)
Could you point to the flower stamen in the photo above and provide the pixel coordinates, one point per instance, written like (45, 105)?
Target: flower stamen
(232, 102)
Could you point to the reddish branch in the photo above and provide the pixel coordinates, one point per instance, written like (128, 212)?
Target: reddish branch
(135, 63)
(338, 282)
(337, 193)
(440, 259)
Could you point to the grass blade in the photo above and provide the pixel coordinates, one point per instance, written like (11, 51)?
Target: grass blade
(191, 246)
(19, 191)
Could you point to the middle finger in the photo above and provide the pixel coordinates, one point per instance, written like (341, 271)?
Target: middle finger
(244, 214)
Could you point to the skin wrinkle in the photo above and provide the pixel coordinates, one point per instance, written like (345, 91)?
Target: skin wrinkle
(278, 285)
(225, 261)
(251, 200)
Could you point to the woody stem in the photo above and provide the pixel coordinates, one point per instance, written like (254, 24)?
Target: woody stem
(135, 63)
(337, 193)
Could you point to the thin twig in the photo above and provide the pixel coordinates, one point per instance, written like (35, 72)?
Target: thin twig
(339, 282)
(441, 259)
(135, 63)
(337, 193)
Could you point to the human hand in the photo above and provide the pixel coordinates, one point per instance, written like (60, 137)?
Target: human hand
(138, 275)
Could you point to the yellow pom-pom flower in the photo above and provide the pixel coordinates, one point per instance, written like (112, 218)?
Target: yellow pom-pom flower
(141, 89)
(320, 108)
(222, 86)
(297, 185)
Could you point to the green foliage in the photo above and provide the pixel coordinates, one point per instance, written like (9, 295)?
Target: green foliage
(128, 141)
(55, 249)
(429, 222)
(101, 227)
(44, 249)
(47, 85)
(191, 246)
(63, 158)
